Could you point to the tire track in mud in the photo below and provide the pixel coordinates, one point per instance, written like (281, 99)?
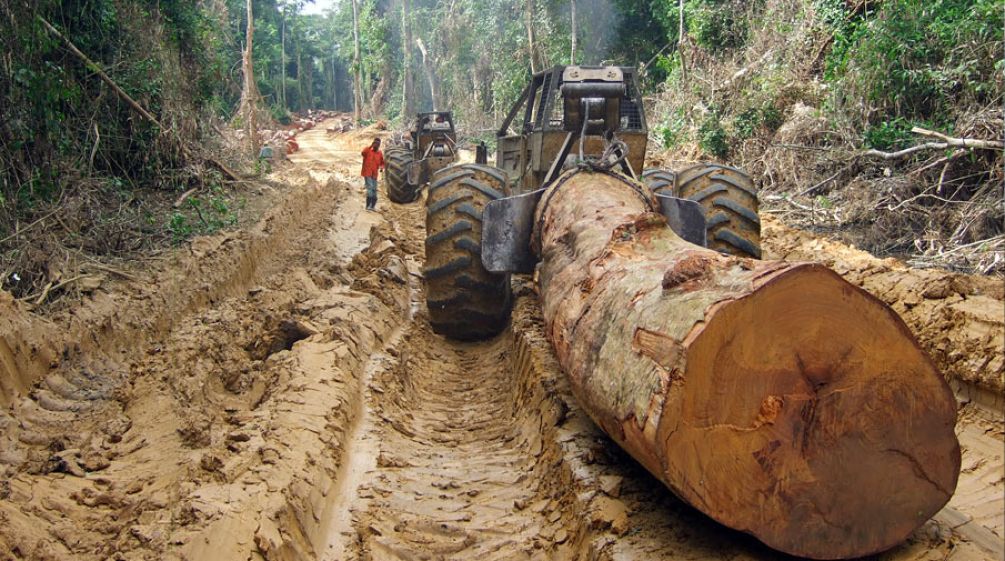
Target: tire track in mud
(452, 471)
(483, 453)
(454, 480)
(217, 440)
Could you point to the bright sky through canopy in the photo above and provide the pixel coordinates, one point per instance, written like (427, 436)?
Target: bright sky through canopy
(318, 6)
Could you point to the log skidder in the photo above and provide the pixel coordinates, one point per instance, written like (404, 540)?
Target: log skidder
(430, 147)
(775, 397)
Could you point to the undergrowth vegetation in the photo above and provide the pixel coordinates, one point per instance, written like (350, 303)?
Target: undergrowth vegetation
(800, 93)
(83, 175)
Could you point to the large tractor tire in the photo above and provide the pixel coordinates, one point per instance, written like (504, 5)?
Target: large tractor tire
(465, 301)
(399, 190)
(659, 180)
(729, 198)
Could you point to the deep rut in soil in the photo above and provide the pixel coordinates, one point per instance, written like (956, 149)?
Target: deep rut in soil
(454, 479)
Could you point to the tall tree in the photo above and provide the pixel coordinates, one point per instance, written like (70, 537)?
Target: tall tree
(681, 40)
(357, 65)
(427, 66)
(282, 63)
(531, 43)
(249, 96)
(572, 53)
(407, 80)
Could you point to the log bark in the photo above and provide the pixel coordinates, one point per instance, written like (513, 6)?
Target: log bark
(775, 397)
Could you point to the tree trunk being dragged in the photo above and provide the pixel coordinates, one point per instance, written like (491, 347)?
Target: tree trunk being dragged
(775, 397)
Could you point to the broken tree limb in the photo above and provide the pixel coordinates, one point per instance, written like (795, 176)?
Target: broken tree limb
(775, 397)
(905, 152)
(961, 142)
(946, 142)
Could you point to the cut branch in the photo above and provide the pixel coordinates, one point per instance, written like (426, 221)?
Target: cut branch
(906, 151)
(947, 141)
(961, 142)
(775, 397)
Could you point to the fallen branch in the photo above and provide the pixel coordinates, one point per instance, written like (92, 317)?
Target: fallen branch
(804, 147)
(229, 173)
(94, 67)
(947, 141)
(972, 143)
(48, 289)
(114, 271)
(20, 231)
(810, 190)
(183, 196)
(906, 151)
(942, 160)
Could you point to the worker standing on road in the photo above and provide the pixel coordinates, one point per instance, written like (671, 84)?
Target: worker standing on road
(373, 161)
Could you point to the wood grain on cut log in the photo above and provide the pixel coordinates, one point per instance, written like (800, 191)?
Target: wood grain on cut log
(775, 397)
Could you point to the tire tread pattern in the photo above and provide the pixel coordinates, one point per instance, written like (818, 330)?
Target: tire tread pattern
(730, 201)
(464, 300)
(660, 180)
(399, 190)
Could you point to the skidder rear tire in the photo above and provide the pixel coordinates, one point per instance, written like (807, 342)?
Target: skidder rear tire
(660, 180)
(464, 300)
(398, 188)
(729, 198)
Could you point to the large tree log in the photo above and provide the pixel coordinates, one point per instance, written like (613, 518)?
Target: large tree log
(775, 397)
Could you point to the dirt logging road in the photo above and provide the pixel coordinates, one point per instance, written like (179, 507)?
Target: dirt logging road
(277, 393)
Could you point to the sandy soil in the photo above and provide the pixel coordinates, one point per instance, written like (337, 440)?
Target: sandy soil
(277, 393)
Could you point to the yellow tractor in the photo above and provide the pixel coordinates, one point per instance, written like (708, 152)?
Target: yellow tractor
(480, 218)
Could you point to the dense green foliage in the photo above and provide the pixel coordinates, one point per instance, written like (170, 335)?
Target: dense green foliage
(913, 61)
(890, 64)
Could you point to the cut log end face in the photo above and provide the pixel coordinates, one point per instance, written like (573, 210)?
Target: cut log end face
(777, 398)
(818, 423)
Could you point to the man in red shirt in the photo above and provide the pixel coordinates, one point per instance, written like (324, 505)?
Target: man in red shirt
(373, 160)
